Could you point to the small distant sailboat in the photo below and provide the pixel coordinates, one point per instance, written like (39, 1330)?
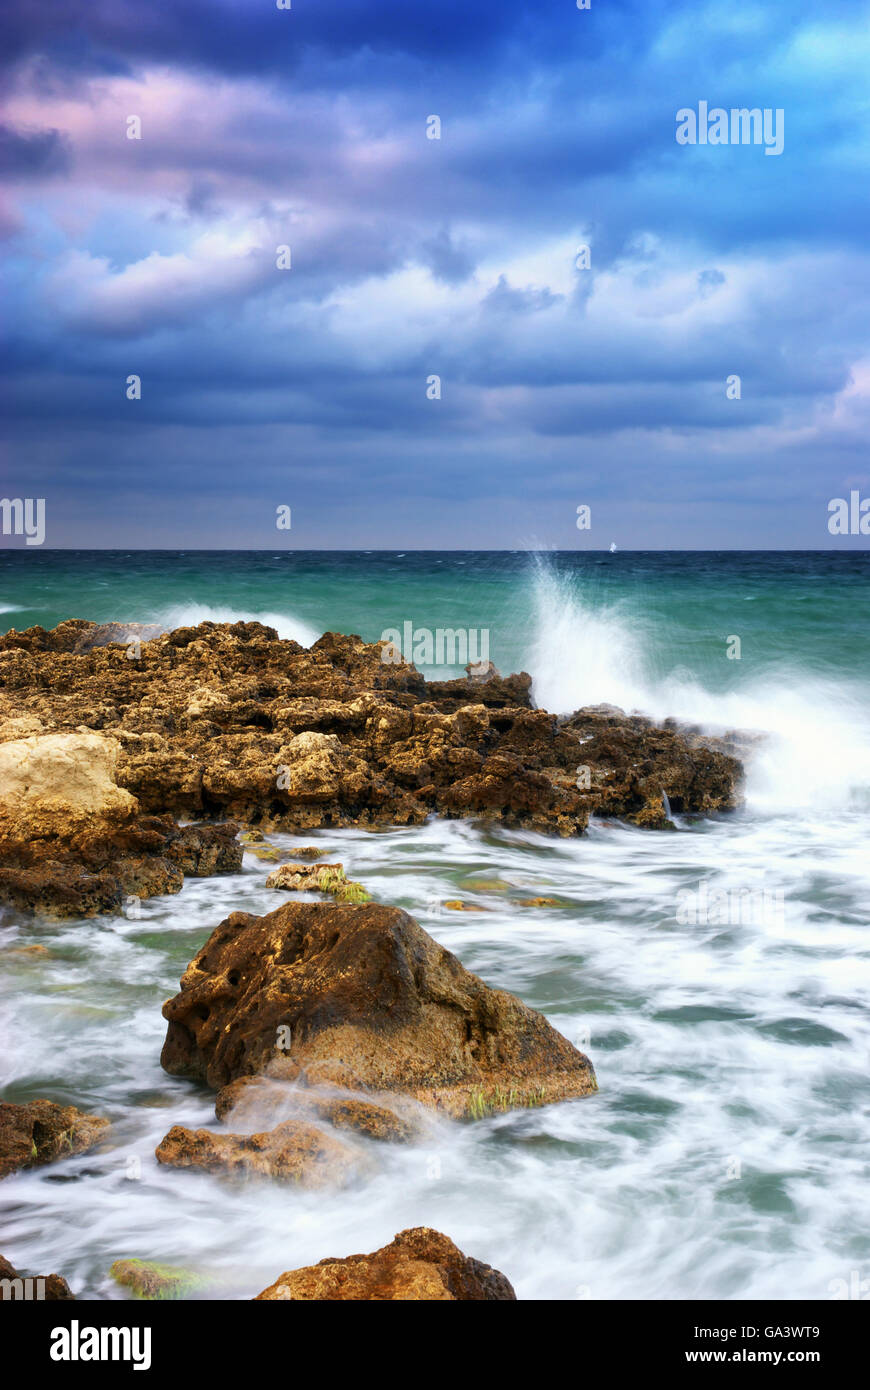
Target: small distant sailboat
(613, 547)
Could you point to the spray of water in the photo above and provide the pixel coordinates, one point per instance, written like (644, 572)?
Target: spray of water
(287, 625)
(816, 756)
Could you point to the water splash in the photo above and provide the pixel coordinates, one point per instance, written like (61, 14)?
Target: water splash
(587, 650)
(287, 625)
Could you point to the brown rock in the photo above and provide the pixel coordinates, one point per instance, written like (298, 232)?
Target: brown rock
(369, 1002)
(98, 868)
(226, 721)
(320, 878)
(43, 1287)
(419, 1265)
(73, 843)
(41, 1132)
(291, 1152)
(304, 877)
(253, 1102)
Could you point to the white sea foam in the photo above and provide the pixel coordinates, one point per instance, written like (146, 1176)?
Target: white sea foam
(817, 755)
(287, 625)
(721, 1158)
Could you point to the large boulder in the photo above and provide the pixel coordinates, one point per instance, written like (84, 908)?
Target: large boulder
(361, 997)
(419, 1265)
(41, 1132)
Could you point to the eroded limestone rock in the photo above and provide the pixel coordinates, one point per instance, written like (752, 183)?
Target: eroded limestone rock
(420, 1265)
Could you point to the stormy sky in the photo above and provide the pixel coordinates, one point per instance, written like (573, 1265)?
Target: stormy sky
(410, 258)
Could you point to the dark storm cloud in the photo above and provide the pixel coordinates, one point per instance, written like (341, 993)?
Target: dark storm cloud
(414, 258)
(32, 153)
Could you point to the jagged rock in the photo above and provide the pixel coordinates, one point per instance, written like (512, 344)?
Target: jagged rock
(293, 1152)
(102, 867)
(72, 842)
(499, 692)
(226, 721)
(15, 1286)
(419, 1264)
(42, 1132)
(104, 634)
(366, 1001)
(644, 760)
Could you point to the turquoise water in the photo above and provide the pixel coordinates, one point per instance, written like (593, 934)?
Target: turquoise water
(727, 1152)
(808, 608)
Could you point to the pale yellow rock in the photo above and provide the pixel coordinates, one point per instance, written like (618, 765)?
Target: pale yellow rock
(20, 726)
(55, 783)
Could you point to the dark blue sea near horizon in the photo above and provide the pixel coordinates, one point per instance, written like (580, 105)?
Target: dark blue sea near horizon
(727, 1152)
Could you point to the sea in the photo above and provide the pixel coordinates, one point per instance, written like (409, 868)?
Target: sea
(717, 973)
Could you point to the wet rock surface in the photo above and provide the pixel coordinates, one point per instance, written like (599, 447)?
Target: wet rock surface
(150, 1280)
(254, 1101)
(43, 1132)
(419, 1264)
(293, 1152)
(361, 997)
(16, 1286)
(73, 843)
(226, 720)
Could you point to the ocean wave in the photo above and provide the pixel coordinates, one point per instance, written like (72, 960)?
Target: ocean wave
(817, 755)
(287, 625)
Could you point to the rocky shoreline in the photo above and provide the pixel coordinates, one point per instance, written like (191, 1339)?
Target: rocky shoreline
(105, 746)
(326, 1029)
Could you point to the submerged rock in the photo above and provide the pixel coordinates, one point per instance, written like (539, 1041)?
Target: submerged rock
(15, 1286)
(291, 1152)
(420, 1265)
(150, 1280)
(322, 878)
(362, 998)
(254, 1101)
(42, 1132)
